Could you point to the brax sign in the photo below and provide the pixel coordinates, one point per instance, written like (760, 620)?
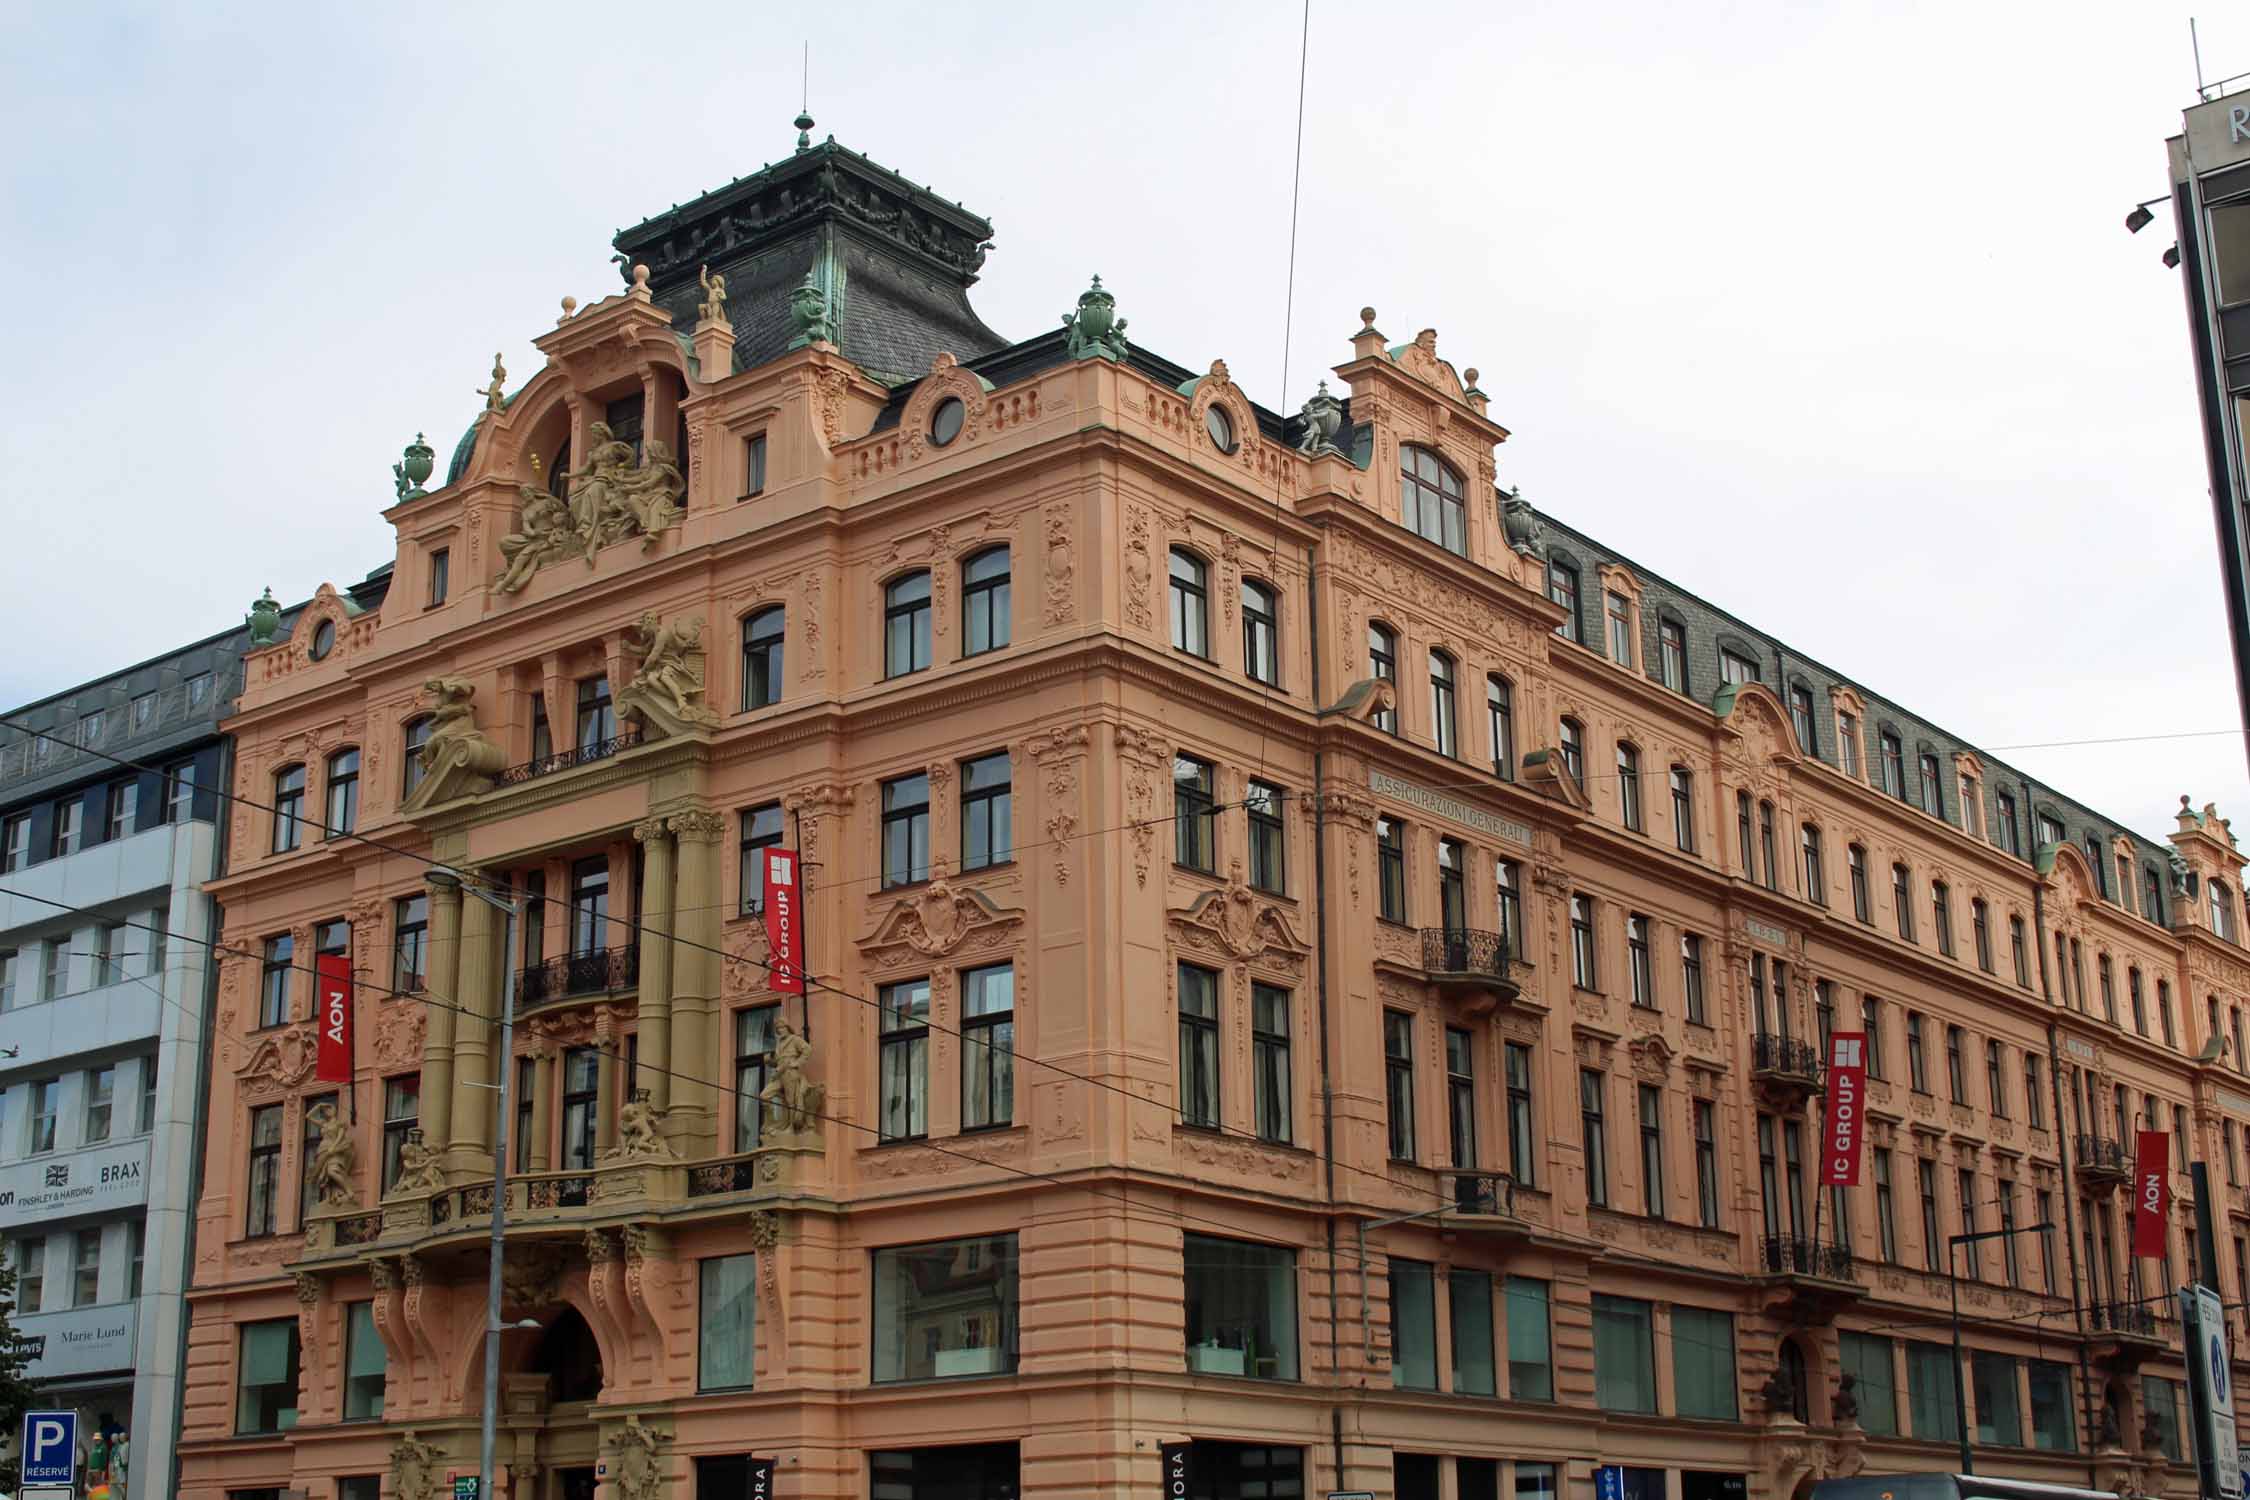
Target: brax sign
(90, 1181)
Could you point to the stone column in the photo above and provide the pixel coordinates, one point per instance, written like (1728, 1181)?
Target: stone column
(477, 996)
(609, 1074)
(655, 938)
(440, 983)
(695, 978)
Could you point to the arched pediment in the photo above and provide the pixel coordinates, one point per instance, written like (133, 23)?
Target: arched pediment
(1761, 727)
(2065, 869)
(1420, 359)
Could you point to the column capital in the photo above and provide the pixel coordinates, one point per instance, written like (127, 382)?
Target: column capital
(650, 830)
(698, 827)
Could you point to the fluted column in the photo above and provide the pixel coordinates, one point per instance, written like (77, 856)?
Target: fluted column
(655, 939)
(441, 982)
(472, 1036)
(695, 975)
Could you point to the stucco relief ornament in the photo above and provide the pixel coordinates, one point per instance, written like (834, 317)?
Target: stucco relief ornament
(414, 1466)
(1324, 417)
(637, 1139)
(939, 919)
(1244, 925)
(790, 1103)
(666, 694)
(530, 1276)
(457, 759)
(1095, 331)
(335, 1158)
(637, 1476)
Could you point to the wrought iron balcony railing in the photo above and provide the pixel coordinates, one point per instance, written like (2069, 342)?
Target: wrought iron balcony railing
(558, 1192)
(2136, 1319)
(1462, 952)
(595, 972)
(1784, 1056)
(1484, 1193)
(1795, 1255)
(2101, 1157)
(733, 1176)
(563, 760)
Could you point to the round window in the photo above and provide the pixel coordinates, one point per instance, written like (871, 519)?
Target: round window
(945, 422)
(324, 639)
(1221, 427)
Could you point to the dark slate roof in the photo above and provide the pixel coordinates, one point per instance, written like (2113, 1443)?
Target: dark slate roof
(1710, 629)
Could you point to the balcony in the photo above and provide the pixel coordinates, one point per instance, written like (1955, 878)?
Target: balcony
(1784, 1070)
(597, 971)
(2126, 1333)
(1477, 966)
(1811, 1280)
(2100, 1163)
(564, 760)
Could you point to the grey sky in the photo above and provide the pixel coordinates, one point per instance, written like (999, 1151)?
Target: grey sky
(1825, 314)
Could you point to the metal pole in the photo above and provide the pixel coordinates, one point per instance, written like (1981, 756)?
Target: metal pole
(1960, 1396)
(507, 1062)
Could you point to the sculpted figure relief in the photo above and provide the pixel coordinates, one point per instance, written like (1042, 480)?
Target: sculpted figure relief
(456, 758)
(418, 1170)
(608, 500)
(666, 694)
(790, 1100)
(637, 1474)
(335, 1159)
(636, 1132)
(414, 1465)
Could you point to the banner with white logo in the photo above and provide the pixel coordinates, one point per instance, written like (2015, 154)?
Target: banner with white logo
(1844, 1129)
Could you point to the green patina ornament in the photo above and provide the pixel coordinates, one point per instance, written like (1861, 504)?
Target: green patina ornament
(410, 471)
(1095, 331)
(264, 620)
(804, 124)
(808, 310)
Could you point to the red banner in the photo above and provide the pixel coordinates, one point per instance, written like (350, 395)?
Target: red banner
(332, 1006)
(785, 933)
(1844, 1130)
(2152, 1191)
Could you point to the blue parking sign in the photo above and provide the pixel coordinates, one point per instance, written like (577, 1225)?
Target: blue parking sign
(1609, 1482)
(50, 1447)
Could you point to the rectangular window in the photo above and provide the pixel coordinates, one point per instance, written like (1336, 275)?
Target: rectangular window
(1867, 1359)
(441, 575)
(987, 604)
(1917, 1060)
(1452, 875)
(1469, 1302)
(1390, 861)
(1671, 640)
(1856, 859)
(946, 1310)
(70, 812)
(2051, 1426)
(402, 1108)
(86, 1268)
(988, 1046)
(597, 716)
(904, 1062)
(101, 1100)
(906, 830)
(1981, 919)
(1461, 1097)
(1583, 970)
(275, 976)
(1531, 1364)
(1886, 1208)
(2016, 951)
(1637, 961)
(2160, 1401)
(2004, 824)
(753, 1058)
(1995, 1081)
(1652, 1150)
(262, 1187)
(1241, 1308)
(1500, 714)
(124, 807)
(1523, 1149)
(1703, 1382)
(1413, 1325)
(1847, 743)
(726, 1350)
(1956, 1072)
(1562, 588)
(1507, 879)
(1930, 1374)
(1871, 1022)
(1195, 834)
(1398, 1074)
(753, 465)
(1893, 765)
(15, 843)
(761, 830)
(581, 1106)
(1801, 719)
(1736, 668)
(987, 812)
(1933, 1247)
(1269, 868)
(266, 1377)
(1706, 1163)
(1444, 714)
(136, 1256)
(1993, 1387)
(1620, 614)
(366, 1365)
(1269, 1062)
(1624, 1354)
(1199, 1046)
(1593, 1136)
(1691, 975)
(31, 1274)
(410, 952)
(1972, 1254)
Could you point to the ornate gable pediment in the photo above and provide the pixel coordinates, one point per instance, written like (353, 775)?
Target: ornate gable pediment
(940, 919)
(1237, 922)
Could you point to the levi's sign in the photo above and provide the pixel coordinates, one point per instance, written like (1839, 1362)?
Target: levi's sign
(1387, 785)
(1845, 1127)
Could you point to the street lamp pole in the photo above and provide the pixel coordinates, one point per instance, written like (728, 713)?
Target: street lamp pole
(507, 1066)
(1953, 1285)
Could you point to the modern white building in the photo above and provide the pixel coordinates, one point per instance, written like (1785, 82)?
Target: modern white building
(108, 831)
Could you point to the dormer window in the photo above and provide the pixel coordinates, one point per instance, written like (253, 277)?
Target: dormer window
(324, 640)
(1431, 499)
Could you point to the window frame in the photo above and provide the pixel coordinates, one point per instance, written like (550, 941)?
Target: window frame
(1261, 632)
(987, 601)
(1202, 1070)
(906, 612)
(987, 809)
(764, 656)
(1190, 602)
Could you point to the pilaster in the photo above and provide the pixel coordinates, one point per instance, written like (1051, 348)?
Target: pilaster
(657, 899)
(441, 983)
(472, 1041)
(695, 974)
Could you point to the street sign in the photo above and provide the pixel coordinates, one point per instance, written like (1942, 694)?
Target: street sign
(46, 1492)
(2213, 1391)
(465, 1487)
(1609, 1482)
(50, 1448)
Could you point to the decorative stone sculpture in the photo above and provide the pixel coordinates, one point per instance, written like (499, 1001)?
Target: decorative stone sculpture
(410, 471)
(414, 1466)
(531, 1275)
(1324, 417)
(713, 308)
(496, 394)
(637, 1139)
(264, 619)
(808, 312)
(1779, 1392)
(790, 1102)
(665, 696)
(1843, 1410)
(1095, 331)
(634, 1469)
(610, 499)
(335, 1159)
(418, 1170)
(457, 759)
(1518, 524)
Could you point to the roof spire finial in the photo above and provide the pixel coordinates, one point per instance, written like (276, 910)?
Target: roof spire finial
(804, 120)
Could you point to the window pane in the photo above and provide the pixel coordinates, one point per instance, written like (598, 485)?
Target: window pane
(1469, 1294)
(1624, 1355)
(726, 1342)
(1531, 1370)
(1703, 1362)
(1867, 1359)
(946, 1310)
(1241, 1308)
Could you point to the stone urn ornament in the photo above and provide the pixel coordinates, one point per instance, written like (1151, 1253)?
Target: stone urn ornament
(264, 620)
(1095, 331)
(409, 472)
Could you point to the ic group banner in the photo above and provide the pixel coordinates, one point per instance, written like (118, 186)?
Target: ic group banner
(1844, 1129)
(785, 927)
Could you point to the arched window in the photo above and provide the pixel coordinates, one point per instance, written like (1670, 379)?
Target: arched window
(1574, 749)
(1629, 785)
(762, 635)
(1444, 719)
(1191, 604)
(1382, 664)
(417, 735)
(906, 625)
(1500, 710)
(1431, 499)
(1816, 877)
(985, 604)
(1261, 633)
(1792, 1378)
(2222, 909)
(289, 808)
(1933, 795)
(343, 792)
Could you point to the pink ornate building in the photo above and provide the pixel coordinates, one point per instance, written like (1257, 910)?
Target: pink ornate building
(1315, 962)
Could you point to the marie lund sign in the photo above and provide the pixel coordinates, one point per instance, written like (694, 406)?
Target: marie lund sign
(1844, 1129)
